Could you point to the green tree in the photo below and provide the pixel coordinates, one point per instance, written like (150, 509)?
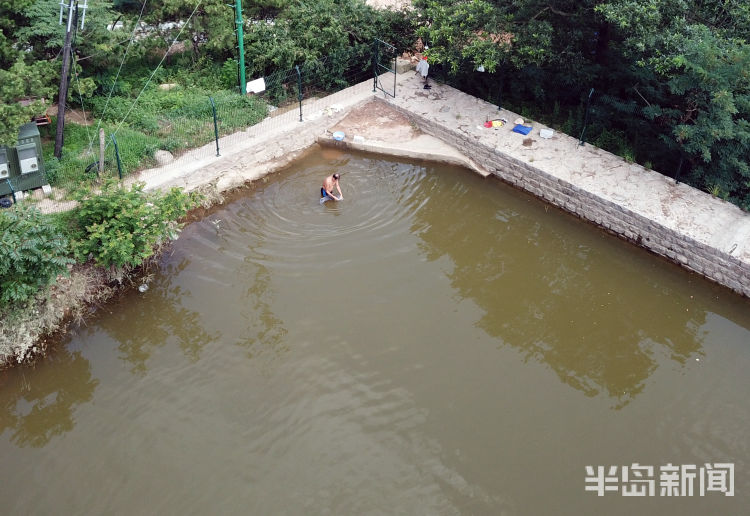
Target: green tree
(209, 25)
(17, 80)
(521, 32)
(11, 18)
(43, 36)
(121, 227)
(312, 30)
(32, 254)
(16, 83)
(31, 40)
(694, 60)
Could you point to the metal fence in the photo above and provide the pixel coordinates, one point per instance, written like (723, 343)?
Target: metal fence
(184, 121)
(581, 111)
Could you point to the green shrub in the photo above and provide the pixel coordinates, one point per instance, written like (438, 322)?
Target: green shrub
(32, 254)
(228, 74)
(611, 140)
(52, 170)
(122, 226)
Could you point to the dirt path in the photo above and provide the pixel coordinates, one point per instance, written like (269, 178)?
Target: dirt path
(75, 116)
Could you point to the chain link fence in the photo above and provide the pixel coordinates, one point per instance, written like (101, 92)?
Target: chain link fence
(171, 120)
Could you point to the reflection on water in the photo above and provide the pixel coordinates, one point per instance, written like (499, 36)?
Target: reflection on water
(435, 344)
(139, 328)
(265, 332)
(36, 407)
(582, 308)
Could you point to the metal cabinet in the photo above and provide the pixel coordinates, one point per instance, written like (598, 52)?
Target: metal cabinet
(4, 165)
(22, 166)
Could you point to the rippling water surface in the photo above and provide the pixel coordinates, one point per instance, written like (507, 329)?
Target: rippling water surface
(437, 343)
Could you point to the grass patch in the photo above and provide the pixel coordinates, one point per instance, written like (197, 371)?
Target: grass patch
(174, 120)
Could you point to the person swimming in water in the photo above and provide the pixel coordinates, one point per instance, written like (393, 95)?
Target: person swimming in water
(326, 191)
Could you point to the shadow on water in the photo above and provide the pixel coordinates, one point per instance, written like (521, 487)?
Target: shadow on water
(582, 307)
(139, 328)
(37, 407)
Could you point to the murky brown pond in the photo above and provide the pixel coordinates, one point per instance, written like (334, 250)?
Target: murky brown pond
(437, 343)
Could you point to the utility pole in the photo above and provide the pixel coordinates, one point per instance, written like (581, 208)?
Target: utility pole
(65, 76)
(240, 44)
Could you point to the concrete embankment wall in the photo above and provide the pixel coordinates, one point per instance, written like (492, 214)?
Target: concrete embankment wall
(709, 260)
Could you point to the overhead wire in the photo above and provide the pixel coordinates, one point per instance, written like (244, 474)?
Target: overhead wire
(78, 83)
(157, 67)
(122, 62)
(97, 54)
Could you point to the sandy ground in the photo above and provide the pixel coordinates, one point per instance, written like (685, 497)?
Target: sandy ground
(377, 121)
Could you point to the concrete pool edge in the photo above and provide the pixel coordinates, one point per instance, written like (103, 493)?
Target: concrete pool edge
(695, 230)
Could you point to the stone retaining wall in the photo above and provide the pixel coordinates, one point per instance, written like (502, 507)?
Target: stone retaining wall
(713, 263)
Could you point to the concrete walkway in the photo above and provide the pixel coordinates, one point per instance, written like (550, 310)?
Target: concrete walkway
(276, 141)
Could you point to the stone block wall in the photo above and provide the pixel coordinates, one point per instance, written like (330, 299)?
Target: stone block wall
(715, 264)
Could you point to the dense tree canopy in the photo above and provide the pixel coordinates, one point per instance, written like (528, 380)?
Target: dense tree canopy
(17, 79)
(696, 59)
(31, 42)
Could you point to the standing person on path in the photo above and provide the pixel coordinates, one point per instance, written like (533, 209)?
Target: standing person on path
(326, 192)
(423, 68)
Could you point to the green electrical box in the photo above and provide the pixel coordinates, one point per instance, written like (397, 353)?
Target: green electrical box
(7, 171)
(4, 164)
(29, 156)
(22, 166)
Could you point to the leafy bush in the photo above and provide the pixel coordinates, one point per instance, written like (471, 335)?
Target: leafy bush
(122, 226)
(611, 140)
(52, 169)
(32, 254)
(228, 74)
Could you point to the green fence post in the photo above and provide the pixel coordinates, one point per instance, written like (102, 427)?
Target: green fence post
(240, 44)
(586, 116)
(117, 154)
(216, 125)
(299, 90)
